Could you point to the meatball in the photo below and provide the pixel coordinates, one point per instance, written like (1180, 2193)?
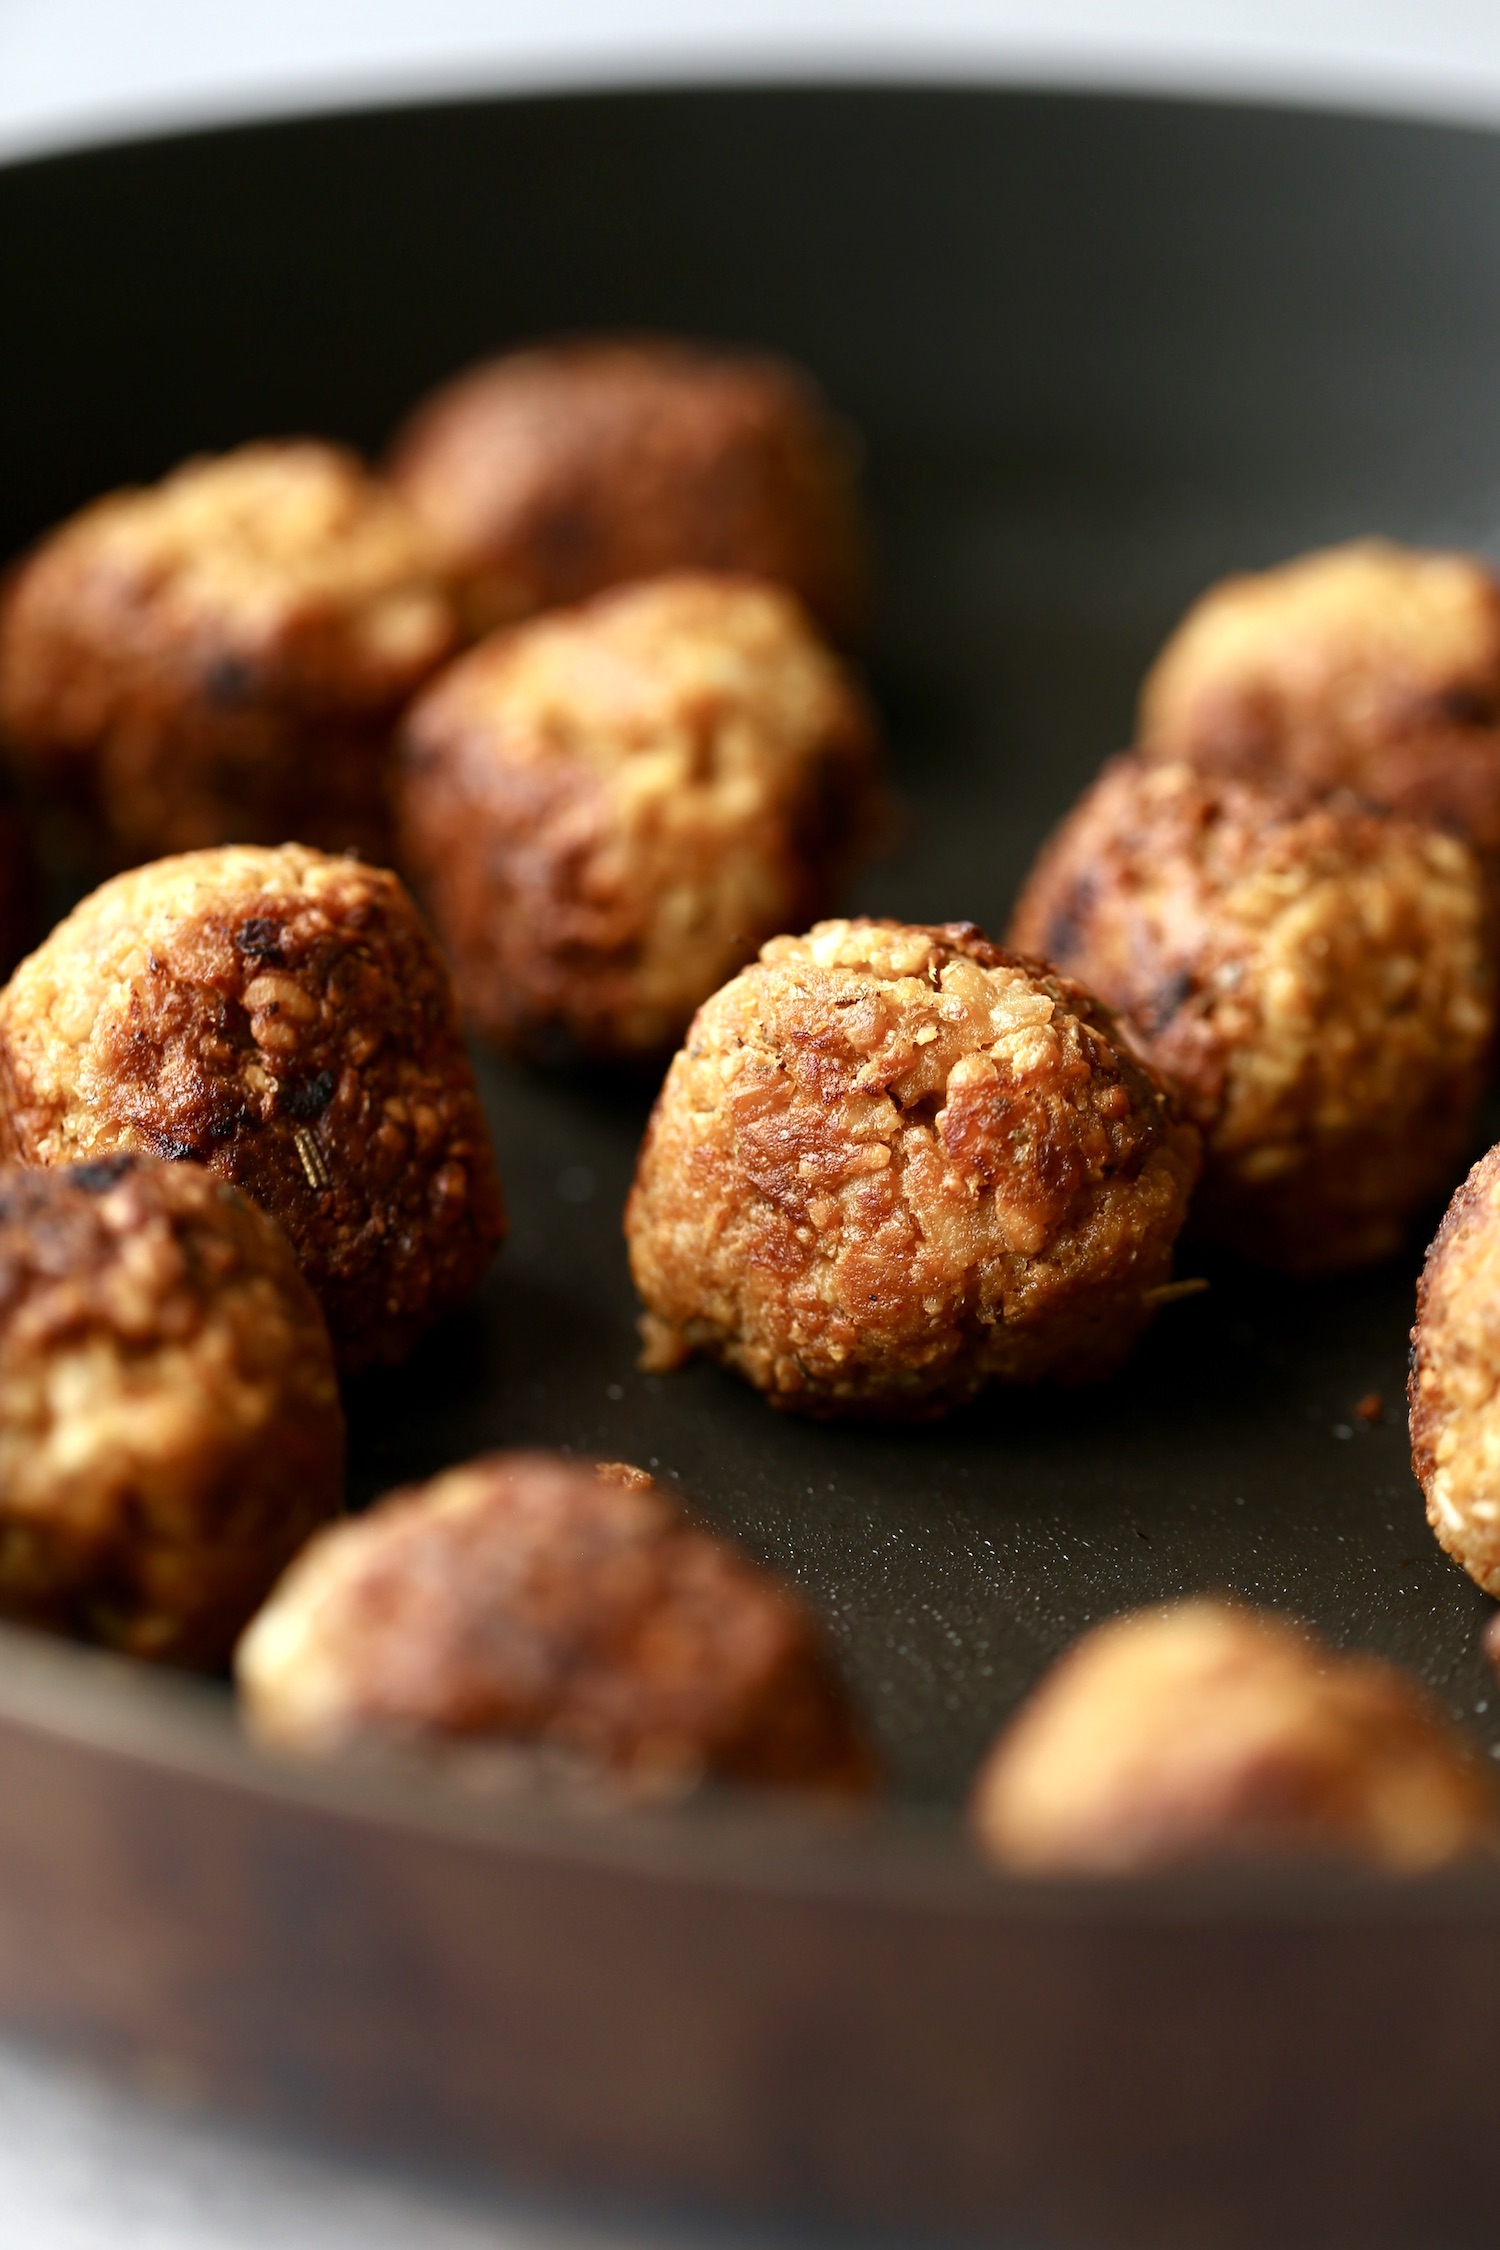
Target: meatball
(1209, 1731)
(609, 808)
(1454, 1391)
(1369, 667)
(1313, 978)
(170, 1430)
(285, 1019)
(541, 1604)
(892, 1164)
(552, 473)
(221, 657)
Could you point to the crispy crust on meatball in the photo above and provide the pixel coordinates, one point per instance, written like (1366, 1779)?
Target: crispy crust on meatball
(170, 1429)
(535, 1601)
(1205, 1730)
(285, 1019)
(551, 473)
(892, 1164)
(610, 808)
(1368, 667)
(221, 657)
(1313, 978)
(1454, 1388)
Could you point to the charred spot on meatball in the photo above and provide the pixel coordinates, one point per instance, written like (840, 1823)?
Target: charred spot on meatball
(222, 657)
(892, 1164)
(551, 473)
(327, 1079)
(610, 808)
(1313, 977)
(531, 1602)
(170, 1428)
(1207, 1730)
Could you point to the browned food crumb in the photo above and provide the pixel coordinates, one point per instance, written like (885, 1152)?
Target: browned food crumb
(610, 808)
(1368, 667)
(1314, 978)
(285, 1019)
(551, 473)
(1454, 1391)
(1209, 1731)
(170, 1429)
(534, 1601)
(221, 657)
(892, 1164)
(1369, 1408)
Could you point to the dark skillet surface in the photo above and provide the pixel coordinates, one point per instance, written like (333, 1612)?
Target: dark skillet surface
(1102, 352)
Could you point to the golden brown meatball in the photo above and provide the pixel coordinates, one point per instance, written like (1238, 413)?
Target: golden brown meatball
(891, 1165)
(1313, 978)
(285, 1019)
(1454, 1391)
(552, 473)
(170, 1430)
(608, 809)
(1209, 1731)
(1369, 667)
(221, 657)
(537, 1602)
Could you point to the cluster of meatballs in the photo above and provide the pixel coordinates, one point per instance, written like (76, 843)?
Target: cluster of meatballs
(573, 660)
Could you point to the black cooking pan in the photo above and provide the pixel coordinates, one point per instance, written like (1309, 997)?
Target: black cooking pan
(1102, 351)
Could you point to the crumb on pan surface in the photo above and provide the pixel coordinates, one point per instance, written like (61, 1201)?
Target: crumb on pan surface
(553, 472)
(892, 1164)
(531, 1600)
(610, 808)
(1370, 667)
(1314, 978)
(284, 1018)
(1208, 1730)
(170, 1427)
(221, 656)
(1454, 1389)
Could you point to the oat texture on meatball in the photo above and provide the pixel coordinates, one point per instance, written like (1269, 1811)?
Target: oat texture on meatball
(608, 809)
(1206, 1730)
(284, 1018)
(170, 1428)
(551, 473)
(538, 1603)
(221, 657)
(1368, 667)
(892, 1164)
(1454, 1390)
(1313, 977)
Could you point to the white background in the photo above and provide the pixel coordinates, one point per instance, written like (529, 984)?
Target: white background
(83, 2168)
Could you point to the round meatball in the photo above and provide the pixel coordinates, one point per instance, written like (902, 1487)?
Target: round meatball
(1209, 1731)
(892, 1164)
(609, 808)
(170, 1430)
(221, 657)
(285, 1019)
(541, 1604)
(1369, 667)
(1313, 978)
(1454, 1390)
(552, 473)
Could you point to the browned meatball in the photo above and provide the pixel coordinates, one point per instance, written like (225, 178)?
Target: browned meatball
(286, 1019)
(1208, 1731)
(551, 473)
(1455, 1377)
(170, 1430)
(892, 1164)
(221, 657)
(1369, 667)
(537, 1602)
(610, 808)
(1313, 978)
